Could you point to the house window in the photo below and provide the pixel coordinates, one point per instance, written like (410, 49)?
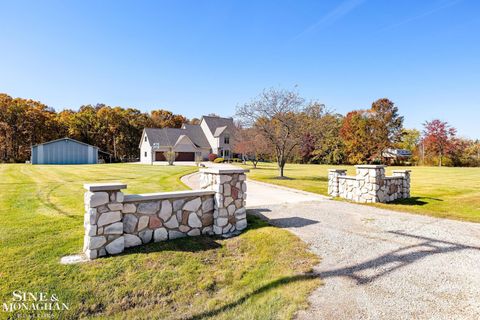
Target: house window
(145, 153)
(226, 140)
(226, 153)
(145, 138)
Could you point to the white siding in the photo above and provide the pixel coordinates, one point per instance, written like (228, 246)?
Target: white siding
(145, 150)
(214, 143)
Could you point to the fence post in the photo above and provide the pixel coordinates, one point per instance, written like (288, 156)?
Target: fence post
(103, 219)
(405, 174)
(371, 178)
(230, 189)
(333, 185)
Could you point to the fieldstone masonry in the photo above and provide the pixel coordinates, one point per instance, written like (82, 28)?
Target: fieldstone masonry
(230, 195)
(114, 221)
(369, 185)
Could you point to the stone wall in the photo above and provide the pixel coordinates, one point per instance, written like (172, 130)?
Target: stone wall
(230, 195)
(369, 185)
(114, 221)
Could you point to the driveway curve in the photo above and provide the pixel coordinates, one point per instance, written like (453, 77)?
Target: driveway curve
(378, 264)
(259, 193)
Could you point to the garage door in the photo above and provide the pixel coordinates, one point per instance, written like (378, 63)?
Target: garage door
(159, 156)
(185, 156)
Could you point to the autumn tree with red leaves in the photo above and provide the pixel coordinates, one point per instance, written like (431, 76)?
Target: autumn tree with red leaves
(367, 134)
(251, 144)
(439, 138)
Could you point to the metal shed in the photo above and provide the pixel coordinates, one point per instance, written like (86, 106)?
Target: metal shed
(64, 151)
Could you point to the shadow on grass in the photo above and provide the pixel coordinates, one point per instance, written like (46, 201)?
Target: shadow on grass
(282, 178)
(289, 222)
(415, 201)
(270, 286)
(187, 244)
(191, 244)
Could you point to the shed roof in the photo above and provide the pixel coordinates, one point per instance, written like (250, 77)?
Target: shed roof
(64, 139)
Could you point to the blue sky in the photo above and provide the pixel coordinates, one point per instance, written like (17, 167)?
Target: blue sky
(195, 57)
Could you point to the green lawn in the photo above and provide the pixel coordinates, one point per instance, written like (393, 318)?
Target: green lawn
(260, 274)
(442, 192)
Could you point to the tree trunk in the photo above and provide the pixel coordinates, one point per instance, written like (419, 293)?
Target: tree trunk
(281, 166)
(440, 161)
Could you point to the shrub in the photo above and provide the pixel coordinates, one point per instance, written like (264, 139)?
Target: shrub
(218, 160)
(170, 156)
(212, 157)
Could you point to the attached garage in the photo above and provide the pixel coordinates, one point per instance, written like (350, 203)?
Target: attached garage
(185, 156)
(180, 156)
(159, 156)
(64, 151)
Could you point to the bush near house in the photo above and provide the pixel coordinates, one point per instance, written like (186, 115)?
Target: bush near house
(212, 157)
(219, 160)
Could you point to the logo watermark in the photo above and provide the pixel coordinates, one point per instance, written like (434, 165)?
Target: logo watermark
(34, 304)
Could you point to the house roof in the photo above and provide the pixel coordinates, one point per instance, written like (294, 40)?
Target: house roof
(170, 136)
(63, 139)
(391, 153)
(215, 123)
(219, 131)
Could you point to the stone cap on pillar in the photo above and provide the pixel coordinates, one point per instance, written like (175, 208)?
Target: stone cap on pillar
(370, 166)
(108, 186)
(224, 170)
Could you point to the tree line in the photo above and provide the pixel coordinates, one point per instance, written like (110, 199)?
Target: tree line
(115, 130)
(281, 126)
(278, 125)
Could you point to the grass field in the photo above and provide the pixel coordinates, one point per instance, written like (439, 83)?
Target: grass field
(257, 275)
(442, 192)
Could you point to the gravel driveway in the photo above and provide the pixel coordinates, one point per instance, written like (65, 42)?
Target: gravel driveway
(379, 264)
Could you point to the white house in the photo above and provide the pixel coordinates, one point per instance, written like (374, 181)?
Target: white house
(212, 135)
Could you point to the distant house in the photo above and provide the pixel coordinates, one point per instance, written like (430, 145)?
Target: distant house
(397, 155)
(64, 151)
(212, 135)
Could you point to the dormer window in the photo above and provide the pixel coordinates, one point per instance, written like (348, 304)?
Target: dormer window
(145, 138)
(226, 139)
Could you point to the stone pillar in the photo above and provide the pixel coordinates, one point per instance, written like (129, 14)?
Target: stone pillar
(333, 175)
(370, 183)
(230, 189)
(103, 219)
(405, 174)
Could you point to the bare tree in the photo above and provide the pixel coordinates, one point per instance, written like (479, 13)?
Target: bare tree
(275, 114)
